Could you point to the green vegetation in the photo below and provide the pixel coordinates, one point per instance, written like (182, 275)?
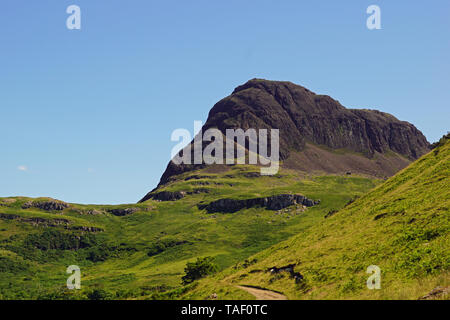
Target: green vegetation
(52, 239)
(157, 249)
(199, 269)
(402, 226)
(142, 254)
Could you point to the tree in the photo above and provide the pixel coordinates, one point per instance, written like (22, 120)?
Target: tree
(199, 269)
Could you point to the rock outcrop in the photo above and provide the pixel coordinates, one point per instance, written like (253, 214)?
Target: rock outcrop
(305, 118)
(43, 222)
(437, 293)
(47, 205)
(164, 195)
(122, 211)
(276, 202)
(298, 277)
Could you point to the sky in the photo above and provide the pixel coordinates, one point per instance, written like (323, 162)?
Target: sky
(86, 115)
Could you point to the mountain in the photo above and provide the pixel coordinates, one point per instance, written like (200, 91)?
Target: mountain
(248, 222)
(317, 134)
(402, 226)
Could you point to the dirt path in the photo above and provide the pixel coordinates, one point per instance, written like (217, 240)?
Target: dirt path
(262, 294)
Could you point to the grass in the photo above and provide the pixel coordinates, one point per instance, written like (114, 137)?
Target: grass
(143, 255)
(402, 226)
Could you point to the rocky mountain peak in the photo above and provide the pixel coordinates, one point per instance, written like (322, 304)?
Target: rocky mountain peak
(305, 118)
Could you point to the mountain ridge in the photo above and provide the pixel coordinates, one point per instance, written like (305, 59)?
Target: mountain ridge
(304, 117)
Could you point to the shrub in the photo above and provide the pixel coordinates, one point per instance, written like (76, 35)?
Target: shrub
(99, 294)
(9, 265)
(199, 269)
(54, 239)
(162, 245)
(98, 254)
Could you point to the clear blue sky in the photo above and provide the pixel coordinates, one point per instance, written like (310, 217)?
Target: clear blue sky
(86, 115)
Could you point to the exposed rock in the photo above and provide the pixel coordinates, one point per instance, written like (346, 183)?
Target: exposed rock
(122, 212)
(252, 174)
(91, 212)
(27, 205)
(305, 117)
(42, 222)
(196, 177)
(255, 271)
(7, 201)
(36, 220)
(47, 205)
(330, 213)
(379, 216)
(224, 205)
(199, 190)
(290, 269)
(164, 196)
(436, 293)
(276, 202)
(94, 212)
(87, 229)
(202, 183)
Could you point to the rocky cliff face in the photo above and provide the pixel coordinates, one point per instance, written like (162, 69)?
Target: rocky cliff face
(304, 117)
(276, 202)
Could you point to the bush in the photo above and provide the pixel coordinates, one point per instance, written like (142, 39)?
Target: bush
(99, 294)
(60, 294)
(104, 251)
(163, 245)
(9, 265)
(156, 248)
(55, 239)
(98, 254)
(199, 269)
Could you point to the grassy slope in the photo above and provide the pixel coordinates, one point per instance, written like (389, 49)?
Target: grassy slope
(402, 226)
(125, 270)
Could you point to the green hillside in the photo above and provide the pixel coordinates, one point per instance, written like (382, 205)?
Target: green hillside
(139, 251)
(402, 226)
